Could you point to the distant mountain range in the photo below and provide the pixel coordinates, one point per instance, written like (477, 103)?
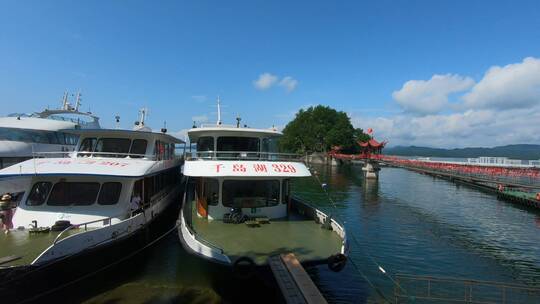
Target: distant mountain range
(510, 151)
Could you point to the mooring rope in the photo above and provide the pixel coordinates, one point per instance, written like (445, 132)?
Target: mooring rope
(381, 269)
(100, 269)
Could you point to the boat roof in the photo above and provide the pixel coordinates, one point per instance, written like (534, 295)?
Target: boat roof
(226, 130)
(126, 133)
(35, 123)
(217, 168)
(46, 113)
(123, 167)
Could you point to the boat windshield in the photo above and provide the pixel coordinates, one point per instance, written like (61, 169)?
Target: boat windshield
(37, 136)
(228, 147)
(233, 143)
(250, 193)
(118, 147)
(74, 193)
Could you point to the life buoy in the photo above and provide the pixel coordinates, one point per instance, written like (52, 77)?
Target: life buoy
(501, 188)
(337, 262)
(244, 267)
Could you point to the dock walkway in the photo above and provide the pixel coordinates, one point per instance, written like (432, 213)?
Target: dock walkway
(295, 284)
(508, 193)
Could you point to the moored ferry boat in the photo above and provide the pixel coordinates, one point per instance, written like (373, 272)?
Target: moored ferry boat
(113, 186)
(238, 208)
(21, 135)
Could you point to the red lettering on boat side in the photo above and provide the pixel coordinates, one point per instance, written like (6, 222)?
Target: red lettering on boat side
(260, 168)
(276, 168)
(218, 166)
(239, 168)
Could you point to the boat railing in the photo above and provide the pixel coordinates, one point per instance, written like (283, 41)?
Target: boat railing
(428, 289)
(84, 154)
(242, 155)
(105, 221)
(217, 126)
(187, 210)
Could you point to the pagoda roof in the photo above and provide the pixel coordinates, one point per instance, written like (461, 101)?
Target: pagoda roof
(372, 143)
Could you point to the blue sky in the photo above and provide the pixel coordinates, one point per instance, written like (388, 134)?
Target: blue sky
(268, 59)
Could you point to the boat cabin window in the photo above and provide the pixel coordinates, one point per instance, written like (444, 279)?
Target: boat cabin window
(205, 143)
(73, 193)
(250, 193)
(88, 144)
(115, 145)
(38, 194)
(110, 193)
(233, 143)
(37, 136)
(138, 147)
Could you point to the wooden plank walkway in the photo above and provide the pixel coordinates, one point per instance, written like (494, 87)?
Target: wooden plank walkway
(294, 282)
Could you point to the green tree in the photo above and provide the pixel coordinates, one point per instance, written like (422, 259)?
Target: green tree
(319, 128)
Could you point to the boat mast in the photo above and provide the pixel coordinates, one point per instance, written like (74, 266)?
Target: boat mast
(218, 111)
(78, 101)
(142, 116)
(65, 102)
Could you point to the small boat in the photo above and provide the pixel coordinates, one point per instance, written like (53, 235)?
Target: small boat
(111, 188)
(238, 209)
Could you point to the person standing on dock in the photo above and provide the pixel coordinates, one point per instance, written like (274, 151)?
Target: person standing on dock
(6, 212)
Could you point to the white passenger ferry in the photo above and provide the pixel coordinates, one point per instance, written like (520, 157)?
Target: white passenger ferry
(24, 134)
(112, 186)
(238, 206)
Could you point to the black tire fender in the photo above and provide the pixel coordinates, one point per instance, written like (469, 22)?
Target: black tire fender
(244, 267)
(337, 262)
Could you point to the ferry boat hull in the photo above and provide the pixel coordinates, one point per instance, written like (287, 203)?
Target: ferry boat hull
(313, 252)
(73, 259)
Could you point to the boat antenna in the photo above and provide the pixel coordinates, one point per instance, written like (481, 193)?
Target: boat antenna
(142, 116)
(218, 111)
(238, 119)
(164, 129)
(65, 102)
(78, 101)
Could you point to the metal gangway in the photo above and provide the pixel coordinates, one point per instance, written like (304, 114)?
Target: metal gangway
(428, 289)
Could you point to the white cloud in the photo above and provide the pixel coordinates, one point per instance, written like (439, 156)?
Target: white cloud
(265, 81)
(288, 83)
(430, 96)
(502, 108)
(200, 118)
(512, 86)
(199, 98)
(470, 128)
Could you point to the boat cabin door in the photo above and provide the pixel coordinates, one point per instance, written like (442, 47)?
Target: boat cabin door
(206, 195)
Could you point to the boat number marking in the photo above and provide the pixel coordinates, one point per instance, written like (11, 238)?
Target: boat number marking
(86, 162)
(258, 168)
(284, 168)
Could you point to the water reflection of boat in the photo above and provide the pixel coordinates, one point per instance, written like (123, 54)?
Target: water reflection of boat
(111, 188)
(238, 208)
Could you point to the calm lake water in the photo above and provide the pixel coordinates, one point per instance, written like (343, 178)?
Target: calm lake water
(406, 223)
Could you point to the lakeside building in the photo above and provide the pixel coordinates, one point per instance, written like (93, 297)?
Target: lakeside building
(483, 160)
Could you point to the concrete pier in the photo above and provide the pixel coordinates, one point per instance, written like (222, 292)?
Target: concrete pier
(371, 169)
